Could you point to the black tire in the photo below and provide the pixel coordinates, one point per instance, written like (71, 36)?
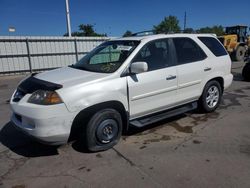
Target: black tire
(103, 130)
(211, 106)
(240, 53)
(246, 72)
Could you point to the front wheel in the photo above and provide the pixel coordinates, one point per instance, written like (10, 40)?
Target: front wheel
(103, 130)
(211, 97)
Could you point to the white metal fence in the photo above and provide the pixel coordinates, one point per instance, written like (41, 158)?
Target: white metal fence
(28, 54)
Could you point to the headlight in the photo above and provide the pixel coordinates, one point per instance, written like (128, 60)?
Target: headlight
(45, 98)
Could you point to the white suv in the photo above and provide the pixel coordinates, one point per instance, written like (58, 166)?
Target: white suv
(124, 82)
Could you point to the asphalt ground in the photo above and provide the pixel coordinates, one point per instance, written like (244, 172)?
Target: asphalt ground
(190, 150)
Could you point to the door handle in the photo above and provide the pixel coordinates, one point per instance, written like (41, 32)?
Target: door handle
(207, 69)
(171, 77)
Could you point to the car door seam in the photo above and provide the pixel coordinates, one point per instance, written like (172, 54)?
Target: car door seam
(150, 94)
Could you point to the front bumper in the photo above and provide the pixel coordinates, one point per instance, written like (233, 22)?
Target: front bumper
(49, 124)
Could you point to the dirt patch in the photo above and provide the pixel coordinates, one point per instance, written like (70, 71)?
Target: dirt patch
(196, 141)
(178, 127)
(142, 147)
(162, 138)
(19, 186)
(203, 117)
(98, 155)
(81, 168)
(230, 99)
(3, 86)
(245, 149)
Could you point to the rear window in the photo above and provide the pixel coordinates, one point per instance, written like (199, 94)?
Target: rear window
(214, 46)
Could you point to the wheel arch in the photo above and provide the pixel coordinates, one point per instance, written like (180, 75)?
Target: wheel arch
(84, 115)
(204, 107)
(218, 79)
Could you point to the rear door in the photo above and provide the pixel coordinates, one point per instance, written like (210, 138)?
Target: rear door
(155, 89)
(191, 68)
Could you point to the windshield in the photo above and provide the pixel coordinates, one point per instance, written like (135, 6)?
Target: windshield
(107, 57)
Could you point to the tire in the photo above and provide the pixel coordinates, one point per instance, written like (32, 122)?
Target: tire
(246, 72)
(103, 130)
(240, 53)
(212, 89)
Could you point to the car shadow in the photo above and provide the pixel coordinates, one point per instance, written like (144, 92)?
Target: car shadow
(78, 145)
(23, 145)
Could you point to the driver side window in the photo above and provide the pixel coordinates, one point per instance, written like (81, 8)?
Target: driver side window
(155, 54)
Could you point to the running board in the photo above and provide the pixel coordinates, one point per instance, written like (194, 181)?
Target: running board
(141, 122)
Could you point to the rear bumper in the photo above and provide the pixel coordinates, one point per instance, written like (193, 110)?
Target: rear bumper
(228, 79)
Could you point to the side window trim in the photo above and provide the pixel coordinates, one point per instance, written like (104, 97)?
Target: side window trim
(173, 51)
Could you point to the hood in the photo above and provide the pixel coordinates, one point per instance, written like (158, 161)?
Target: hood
(68, 76)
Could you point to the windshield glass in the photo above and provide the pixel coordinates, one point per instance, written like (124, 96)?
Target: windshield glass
(107, 57)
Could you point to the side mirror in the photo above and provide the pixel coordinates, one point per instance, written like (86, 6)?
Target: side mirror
(138, 67)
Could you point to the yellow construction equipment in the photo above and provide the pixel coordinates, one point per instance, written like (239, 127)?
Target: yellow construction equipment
(236, 41)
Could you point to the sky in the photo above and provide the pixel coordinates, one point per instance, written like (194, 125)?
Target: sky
(114, 17)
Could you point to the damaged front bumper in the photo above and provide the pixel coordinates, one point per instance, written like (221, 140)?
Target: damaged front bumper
(48, 124)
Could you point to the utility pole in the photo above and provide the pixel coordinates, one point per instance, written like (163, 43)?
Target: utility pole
(68, 18)
(185, 21)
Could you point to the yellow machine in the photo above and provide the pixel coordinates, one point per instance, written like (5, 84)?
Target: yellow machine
(236, 41)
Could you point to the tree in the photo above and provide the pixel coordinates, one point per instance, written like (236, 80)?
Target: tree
(127, 33)
(189, 30)
(86, 30)
(168, 24)
(218, 30)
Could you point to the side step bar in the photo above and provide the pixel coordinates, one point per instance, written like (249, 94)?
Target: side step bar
(141, 122)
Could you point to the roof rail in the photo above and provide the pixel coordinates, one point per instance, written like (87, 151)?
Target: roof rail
(143, 33)
(153, 32)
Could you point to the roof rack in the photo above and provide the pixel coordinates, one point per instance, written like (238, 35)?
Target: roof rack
(153, 32)
(143, 33)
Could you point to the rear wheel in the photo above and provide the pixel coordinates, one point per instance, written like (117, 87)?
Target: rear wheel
(246, 72)
(240, 53)
(211, 96)
(103, 130)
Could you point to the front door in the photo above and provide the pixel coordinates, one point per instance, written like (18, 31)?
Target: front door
(156, 89)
